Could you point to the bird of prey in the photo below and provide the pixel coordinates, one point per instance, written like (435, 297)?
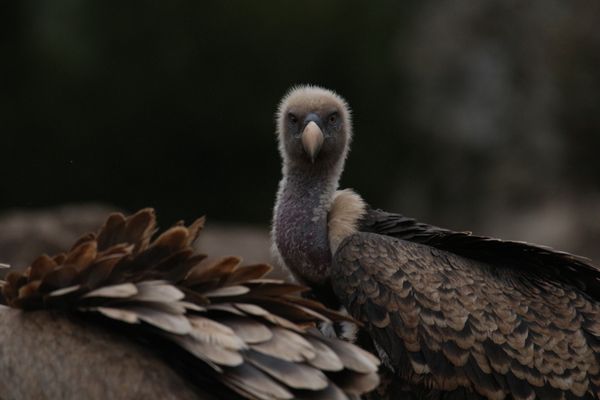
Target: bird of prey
(451, 315)
(128, 315)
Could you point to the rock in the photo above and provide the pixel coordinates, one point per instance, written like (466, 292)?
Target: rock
(46, 355)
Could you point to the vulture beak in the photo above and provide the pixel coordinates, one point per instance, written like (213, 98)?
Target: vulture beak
(312, 140)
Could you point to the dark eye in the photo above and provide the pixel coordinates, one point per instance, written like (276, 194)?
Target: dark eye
(293, 119)
(333, 118)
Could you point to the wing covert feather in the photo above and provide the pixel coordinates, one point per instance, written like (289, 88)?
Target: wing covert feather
(539, 261)
(449, 323)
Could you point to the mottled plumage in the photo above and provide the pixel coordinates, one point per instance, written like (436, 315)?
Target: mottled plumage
(447, 321)
(227, 330)
(451, 315)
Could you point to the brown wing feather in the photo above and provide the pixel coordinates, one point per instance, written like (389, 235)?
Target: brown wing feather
(451, 324)
(215, 320)
(541, 262)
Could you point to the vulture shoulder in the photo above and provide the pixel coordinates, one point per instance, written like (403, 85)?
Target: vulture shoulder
(445, 322)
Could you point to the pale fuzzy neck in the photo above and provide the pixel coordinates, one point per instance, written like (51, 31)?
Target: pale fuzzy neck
(300, 222)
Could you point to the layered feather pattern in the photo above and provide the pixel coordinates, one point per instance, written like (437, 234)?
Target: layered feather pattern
(252, 336)
(456, 327)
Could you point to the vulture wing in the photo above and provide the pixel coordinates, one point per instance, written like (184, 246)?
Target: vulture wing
(541, 262)
(449, 324)
(226, 328)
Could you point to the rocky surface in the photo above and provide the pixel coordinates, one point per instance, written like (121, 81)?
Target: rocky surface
(55, 357)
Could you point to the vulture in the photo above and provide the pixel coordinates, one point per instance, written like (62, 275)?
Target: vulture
(129, 314)
(451, 315)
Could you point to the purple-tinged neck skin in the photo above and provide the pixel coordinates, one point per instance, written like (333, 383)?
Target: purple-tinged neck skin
(300, 223)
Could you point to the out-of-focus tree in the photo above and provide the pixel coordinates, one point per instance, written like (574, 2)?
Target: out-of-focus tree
(505, 107)
(477, 115)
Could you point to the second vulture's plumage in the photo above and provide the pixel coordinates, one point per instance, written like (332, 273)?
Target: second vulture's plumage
(225, 330)
(451, 315)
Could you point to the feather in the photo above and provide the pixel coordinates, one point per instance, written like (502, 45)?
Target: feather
(354, 359)
(355, 384)
(332, 392)
(287, 345)
(228, 291)
(194, 230)
(64, 291)
(228, 308)
(123, 290)
(110, 233)
(248, 273)
(215, 333)
(273, 288)
(247, 329)
(252, 383)
(297, 376)
(259, 311)
(192, 306)
(169, 307)
(99, 272)
(40, 267)
(215, 269)
(206, 351)
(157, 291)
(139, 227)
(82, 255)
(292, 310)
(172, 239)
(166, 321)
(58, 278)
(116, 313)
(325, 358)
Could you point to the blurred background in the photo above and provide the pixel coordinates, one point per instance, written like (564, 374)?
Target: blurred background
(481, 116)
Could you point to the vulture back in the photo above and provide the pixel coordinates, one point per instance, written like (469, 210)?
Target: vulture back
(463, 327)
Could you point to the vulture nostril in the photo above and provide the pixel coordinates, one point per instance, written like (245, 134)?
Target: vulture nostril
(313, 117)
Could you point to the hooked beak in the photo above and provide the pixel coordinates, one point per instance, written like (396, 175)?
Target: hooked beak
(312, 140)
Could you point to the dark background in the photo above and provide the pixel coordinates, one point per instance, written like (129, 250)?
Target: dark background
(481, 116)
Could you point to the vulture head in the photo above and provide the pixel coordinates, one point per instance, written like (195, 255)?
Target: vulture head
(314, 128)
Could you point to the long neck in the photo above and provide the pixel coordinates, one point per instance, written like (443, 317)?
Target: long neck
(300, 222)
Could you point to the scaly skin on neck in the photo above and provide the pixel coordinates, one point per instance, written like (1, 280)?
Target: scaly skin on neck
(300, 222)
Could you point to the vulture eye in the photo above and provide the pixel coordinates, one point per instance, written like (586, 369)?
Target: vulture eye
(293, 119)
(333, 118)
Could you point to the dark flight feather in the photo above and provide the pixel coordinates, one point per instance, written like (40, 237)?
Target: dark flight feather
(539, 261)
